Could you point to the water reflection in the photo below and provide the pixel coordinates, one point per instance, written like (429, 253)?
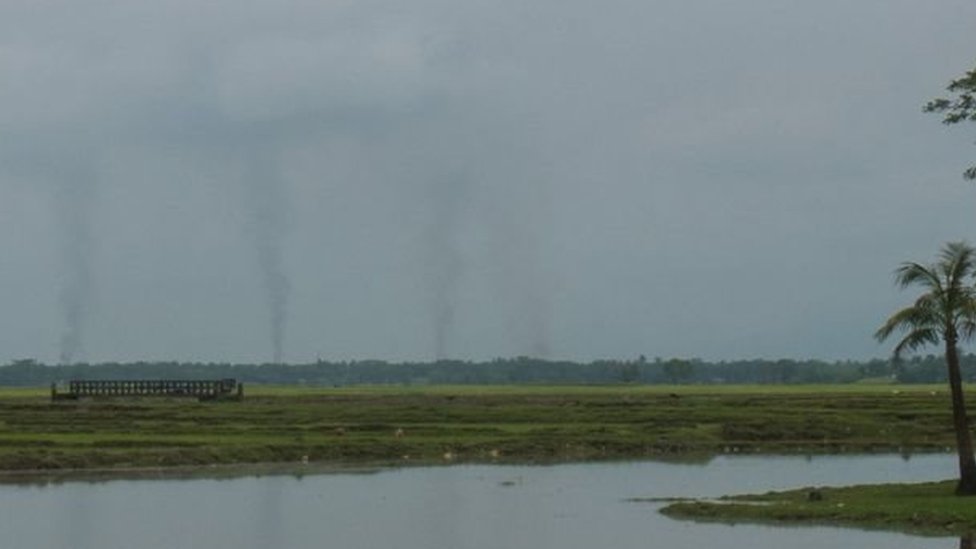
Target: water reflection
(268, 523)
(220, 473)
(462, 507)
(79, 521)
(966, 542)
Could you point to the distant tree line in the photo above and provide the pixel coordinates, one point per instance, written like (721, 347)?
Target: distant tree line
(519, 370)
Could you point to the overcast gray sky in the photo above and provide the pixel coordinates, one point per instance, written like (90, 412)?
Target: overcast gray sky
(411, 179)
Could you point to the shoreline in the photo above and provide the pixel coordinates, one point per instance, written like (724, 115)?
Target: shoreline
(291, 468)
(181, 472)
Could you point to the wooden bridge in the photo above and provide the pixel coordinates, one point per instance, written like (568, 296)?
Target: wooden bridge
(203, 389)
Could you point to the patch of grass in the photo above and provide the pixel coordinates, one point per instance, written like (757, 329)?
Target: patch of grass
(927, 508)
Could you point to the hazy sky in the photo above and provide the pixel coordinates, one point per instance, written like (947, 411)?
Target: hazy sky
(410, 179)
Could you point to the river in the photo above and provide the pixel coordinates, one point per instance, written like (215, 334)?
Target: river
(571, 506)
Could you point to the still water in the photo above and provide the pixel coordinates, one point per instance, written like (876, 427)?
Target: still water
(478, 507)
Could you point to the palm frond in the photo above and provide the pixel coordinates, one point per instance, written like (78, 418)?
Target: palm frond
(966, 315)
(917, 339)
(931, 303)
(967, 329)
(947, 307)
(916, 274)
(958, 256)
(909, 319)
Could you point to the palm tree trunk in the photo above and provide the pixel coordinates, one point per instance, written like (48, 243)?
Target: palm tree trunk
(964, 440)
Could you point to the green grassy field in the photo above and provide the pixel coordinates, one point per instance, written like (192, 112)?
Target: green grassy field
(468, 423)
(926, 508)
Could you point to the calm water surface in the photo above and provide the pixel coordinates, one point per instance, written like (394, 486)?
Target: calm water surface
(478, 507)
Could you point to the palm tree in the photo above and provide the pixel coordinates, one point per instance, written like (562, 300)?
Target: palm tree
(945, 313)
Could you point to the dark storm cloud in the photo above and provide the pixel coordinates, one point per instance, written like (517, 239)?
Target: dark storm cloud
(660, 178)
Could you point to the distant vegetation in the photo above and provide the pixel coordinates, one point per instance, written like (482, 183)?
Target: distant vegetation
(521, 370)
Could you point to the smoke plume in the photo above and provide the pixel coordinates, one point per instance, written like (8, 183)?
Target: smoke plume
(445, 262)
(525, 283)
(73, 203)
(531, 295)
(266, 205)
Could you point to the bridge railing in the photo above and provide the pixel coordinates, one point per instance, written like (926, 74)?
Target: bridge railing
(203, 389)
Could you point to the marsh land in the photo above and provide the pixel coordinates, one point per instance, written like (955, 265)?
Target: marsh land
(925, 508)
(521, 424)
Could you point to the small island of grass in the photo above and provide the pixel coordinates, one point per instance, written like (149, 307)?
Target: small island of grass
(926, 508)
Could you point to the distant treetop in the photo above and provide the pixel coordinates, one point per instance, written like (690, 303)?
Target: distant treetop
(959, 108)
